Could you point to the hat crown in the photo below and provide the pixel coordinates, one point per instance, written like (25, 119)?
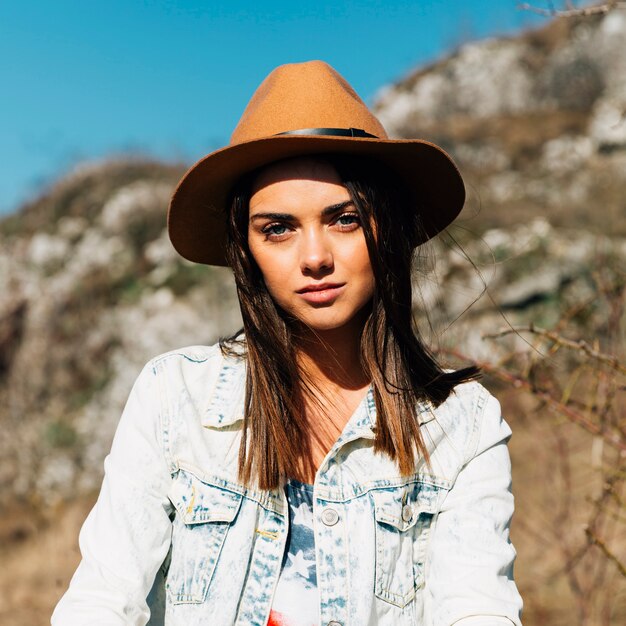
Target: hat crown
(304, 95)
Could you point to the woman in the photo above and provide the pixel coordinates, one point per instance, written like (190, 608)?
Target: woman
(321, 467)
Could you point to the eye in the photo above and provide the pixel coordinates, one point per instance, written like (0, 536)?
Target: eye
(348, 221)
(274, 231)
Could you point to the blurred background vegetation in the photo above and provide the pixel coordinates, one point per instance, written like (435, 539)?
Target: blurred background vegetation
(530, 283)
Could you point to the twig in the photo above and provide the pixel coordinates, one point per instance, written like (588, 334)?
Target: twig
(609, 359)
(573, 416)
(598, 9)
(595, 540)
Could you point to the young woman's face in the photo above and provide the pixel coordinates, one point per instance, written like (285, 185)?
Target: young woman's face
(306, 237)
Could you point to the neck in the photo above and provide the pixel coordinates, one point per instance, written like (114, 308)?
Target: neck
(331, 359)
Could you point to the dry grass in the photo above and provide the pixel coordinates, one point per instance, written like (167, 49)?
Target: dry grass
(40, 553)
(559, 472)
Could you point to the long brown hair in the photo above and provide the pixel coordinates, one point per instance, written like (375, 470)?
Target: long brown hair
(402, 370)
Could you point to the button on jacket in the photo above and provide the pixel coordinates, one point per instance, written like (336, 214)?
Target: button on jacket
(176, 539)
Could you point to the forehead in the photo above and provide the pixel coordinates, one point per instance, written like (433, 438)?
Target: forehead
(298, 168)
(296, 179)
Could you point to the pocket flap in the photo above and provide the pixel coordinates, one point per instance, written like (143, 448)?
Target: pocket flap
(198, 502)
(401, 507)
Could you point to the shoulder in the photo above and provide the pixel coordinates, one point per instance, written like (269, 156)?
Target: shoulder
(200, 379)
(469, 421)
(192, 367)
(192, 354)
(467, 399)
(192, 361)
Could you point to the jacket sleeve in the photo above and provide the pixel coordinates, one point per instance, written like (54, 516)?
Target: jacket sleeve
(126, 537)
(470, 559)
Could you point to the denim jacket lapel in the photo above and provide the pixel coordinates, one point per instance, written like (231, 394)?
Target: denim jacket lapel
(225, 404)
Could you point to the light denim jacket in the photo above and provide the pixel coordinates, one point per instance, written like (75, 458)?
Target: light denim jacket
(175, 538)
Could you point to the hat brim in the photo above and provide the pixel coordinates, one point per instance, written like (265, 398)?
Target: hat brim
(197, 213)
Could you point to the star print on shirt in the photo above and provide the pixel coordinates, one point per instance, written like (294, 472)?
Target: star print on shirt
(296, 601)
(302, 514)
(300, 565)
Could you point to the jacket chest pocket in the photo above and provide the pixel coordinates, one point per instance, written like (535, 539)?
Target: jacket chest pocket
(204, 514)
(403, 518)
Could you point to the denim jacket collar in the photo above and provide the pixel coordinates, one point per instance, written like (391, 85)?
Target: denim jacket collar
(226, 400)
(225, 405)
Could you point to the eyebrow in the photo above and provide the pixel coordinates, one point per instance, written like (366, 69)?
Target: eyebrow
(329, 210)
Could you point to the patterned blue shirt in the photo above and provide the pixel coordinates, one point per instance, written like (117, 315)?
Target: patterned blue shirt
(296, 602)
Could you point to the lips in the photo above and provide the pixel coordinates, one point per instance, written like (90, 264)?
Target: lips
(320, 287)
(321, 293)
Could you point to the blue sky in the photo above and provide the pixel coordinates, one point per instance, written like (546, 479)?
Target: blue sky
(85, 79)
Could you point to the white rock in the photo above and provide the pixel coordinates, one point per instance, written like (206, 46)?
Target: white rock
(427, 95)
(614, 24)
(472, 85)
(138, 198)
(394, 109)
(540, 283)
(505, 186)
(480, 72)
(56, 478)
(72, 227)
(484, 157)
(45, 249)
(160, 250)
(567, 153)
(608, 124)
(498, 238)
(160, 299)
(96, 250)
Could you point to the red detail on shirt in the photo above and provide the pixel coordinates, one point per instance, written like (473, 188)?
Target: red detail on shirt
(277, 619)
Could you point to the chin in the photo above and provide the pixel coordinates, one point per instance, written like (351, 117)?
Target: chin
(321, 328)
(327, 318)
(319, 324)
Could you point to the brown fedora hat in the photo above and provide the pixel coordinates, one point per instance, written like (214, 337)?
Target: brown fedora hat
(304, 109)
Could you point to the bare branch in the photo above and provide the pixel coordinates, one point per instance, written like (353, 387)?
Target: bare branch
(571, 11)
(581, 346)
(595, 540)
(573, 416)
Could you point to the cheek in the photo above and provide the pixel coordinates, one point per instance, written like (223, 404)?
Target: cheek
(369, 284)
(360, 261)
(272, 268)
(274, 279)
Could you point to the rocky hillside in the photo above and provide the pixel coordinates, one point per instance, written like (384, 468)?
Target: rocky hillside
(90, 287)
(537, 123)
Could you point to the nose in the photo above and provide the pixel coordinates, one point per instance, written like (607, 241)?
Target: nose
(315, 253)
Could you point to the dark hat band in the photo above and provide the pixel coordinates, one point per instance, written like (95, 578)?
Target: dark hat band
(336, 132)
